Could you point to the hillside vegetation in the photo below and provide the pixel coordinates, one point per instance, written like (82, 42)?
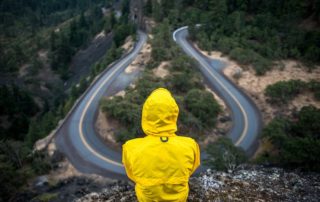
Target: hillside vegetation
(252, 32)
(284, 91)
(25, 26)
(198, 108)
(294, 141)
(38, 40)
(257, 35)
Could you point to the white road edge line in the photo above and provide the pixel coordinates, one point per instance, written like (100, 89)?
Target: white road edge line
(86, 109)
(243, 134)
(114, 71)
(174, 33)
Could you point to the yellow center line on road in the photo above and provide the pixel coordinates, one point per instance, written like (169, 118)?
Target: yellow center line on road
(93, 151)
(85, 111)
(205, 65)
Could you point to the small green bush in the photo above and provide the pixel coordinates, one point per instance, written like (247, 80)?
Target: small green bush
(46, 197)
(284, 91)
(297, 142)
(203, 106)
(246, 56)
(226, 44)
(314, 86)
(223, 155)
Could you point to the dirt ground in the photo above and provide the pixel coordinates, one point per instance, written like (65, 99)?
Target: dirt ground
(105, 128)
(254, 85)
(128, 44)
(162, 70)
(141, 60)
(150, 24)
(65, 169)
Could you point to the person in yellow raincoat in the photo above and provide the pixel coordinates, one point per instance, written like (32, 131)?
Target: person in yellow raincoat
(161, 163)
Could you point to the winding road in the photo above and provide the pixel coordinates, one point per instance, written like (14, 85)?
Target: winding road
(77, 139)
(245, 115)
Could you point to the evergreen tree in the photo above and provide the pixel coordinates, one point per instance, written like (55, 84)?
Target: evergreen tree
(148, 8)
(157, 11)
(223, 155)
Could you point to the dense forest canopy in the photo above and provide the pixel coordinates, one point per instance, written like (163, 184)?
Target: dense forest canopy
(24, 22)
(251, 32)
(258, 34)
(61, 42)
(255, 33)
(295, 143)
(38, 40)
(37, 12)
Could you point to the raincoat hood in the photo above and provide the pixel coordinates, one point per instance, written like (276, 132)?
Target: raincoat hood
(160, 169)
(159, 114)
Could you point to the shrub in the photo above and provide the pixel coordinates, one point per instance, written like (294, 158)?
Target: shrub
(283, 91)
(46, 197)
(226, 44)
(204, 41)
(125, 112)
(247, 56)
(314, 86)
(183, 63)
(203, 106)
(308, 123)
(297, 142)
(187, 122)
(123, 135)
(261, 65)
(223, 155)
(18, 165)
(180, 83)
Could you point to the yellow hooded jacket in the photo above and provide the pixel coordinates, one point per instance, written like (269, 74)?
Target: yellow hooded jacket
(161, 163)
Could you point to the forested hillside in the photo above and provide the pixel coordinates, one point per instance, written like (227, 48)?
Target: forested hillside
(38, 41)
(198, 108)
(257, 35)
(23, 26)
(251, 32)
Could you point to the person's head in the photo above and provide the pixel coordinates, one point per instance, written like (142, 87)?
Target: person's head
(160, 113)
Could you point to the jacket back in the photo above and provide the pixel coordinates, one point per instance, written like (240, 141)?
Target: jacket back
(161, 163)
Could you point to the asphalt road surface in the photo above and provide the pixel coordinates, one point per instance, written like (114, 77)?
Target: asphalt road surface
(77, 138)
(245, 115)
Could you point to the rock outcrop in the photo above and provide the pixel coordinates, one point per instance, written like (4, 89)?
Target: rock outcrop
(247, 183)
